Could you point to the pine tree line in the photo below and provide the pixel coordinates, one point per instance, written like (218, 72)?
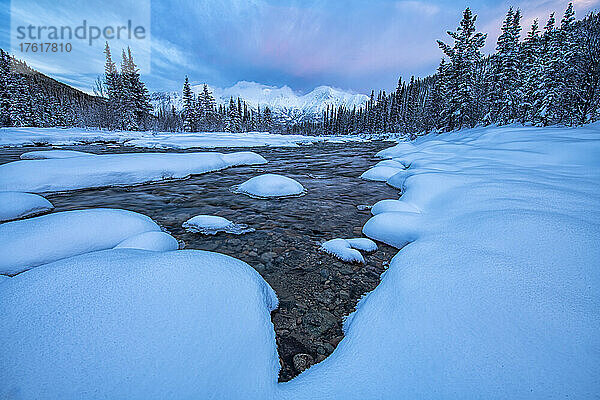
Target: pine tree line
(550, 77)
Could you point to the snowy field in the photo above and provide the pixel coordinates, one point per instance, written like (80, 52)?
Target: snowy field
(160, 140)
(494, 293)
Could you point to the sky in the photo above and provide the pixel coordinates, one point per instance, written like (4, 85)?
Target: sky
(355, 45)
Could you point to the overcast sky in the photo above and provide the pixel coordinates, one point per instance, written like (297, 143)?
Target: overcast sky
(351, 44)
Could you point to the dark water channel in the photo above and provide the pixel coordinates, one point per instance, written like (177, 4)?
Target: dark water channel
(315, 290)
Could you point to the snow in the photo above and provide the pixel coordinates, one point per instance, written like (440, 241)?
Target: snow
(31, 242)
(390, 163)
(494, 293)
(213, 224)
(271, 186)
(381, 173)
(347, 249)
(113, 170)
(391, 205)
(3, 278)
(341, 249)
(160, 140)
(363, 244)
(154, 241)
(497, 294)
(45, 154)
(15, 205)
(133, 324)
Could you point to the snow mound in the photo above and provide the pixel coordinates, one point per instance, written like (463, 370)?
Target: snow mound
(154, 241)
(347, 249)
(391, 205)
(46, 154)
(497, 296)
(133, 324)
(341, 249)
(271, 186)
(363, 244)
(15, 205)
(244, 158)
(390, 163)
(113, 170)
(380, 174)
(212, 224)
(31, 242)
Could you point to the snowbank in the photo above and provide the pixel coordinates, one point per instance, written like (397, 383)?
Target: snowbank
(154, 241)
(15, 205)
(161, 140)
(46, 154)
(132, 324)
(381, 173)
(498, 293)
(270, 186)
(212, 224)
(391, 205)
(41, 240)
(347, 249)
(113, 170)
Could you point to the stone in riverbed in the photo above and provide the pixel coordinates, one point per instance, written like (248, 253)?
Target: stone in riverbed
(302, 361)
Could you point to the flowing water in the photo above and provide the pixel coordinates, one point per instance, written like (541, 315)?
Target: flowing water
(315, 290)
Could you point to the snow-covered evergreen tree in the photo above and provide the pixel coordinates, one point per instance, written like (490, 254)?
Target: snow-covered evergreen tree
(463, 56)
(188, 107)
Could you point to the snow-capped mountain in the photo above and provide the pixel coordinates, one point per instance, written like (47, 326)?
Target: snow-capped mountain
(283, 101)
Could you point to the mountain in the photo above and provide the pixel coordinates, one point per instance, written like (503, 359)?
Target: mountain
(286, 104)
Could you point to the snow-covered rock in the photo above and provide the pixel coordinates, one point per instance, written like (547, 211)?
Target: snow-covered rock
(341, 249)
(497, 295)
(133, 324)
(391, 205)
(243, 158)
(347, 249)
(154, 241)
(363, 244)
(381, 173)
(113, 170)
(46, 154)
(271, 186)
(31, 242)
(390, 163)
(15, 205)
(213, 224)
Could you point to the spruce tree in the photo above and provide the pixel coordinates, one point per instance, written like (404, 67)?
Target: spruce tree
(463, 56)
(114, 90)
(188, 107)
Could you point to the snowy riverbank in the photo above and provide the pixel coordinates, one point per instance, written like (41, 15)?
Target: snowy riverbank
(159, 140)
(494, 293)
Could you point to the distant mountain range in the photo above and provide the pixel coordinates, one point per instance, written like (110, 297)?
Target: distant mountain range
(285, 104)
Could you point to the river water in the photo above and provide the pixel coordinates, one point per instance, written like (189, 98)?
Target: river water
(315, 290)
